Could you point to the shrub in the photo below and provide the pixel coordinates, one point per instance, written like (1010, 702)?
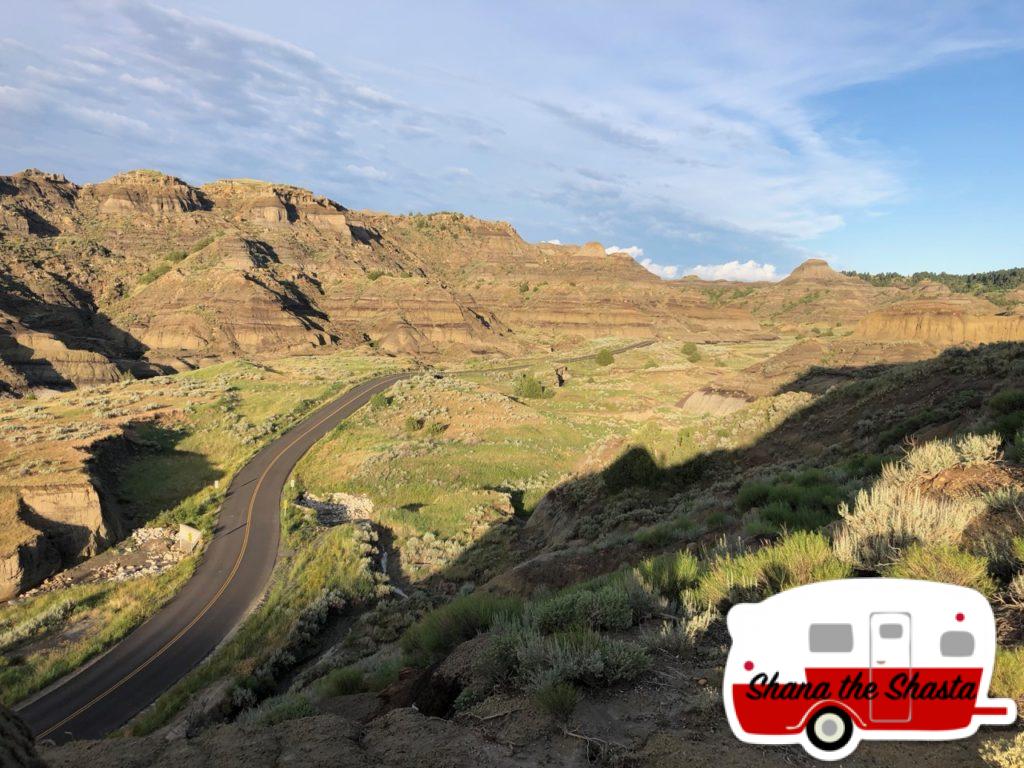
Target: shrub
(608, 607)
(277, 710)
(752, 494)
(1004, 752)
(979, 449)
(604, 357)
(1007, 401)
(932, 457)
(175, 256)
(690, 352)
(383, 676)
(803, 501)
(580, 656)
(800, 558)
(155, 273)
(204, 242)
(665, 532)
(441, 630)
(436, 428)
(528, 386)
(379, 401)
(945, 563)
(635, 467)
(557, 699)
(375, 274)
(670, 575)
(413, 424)
(524, 287)
(342, 681)
(891, 517)
(1008, 675)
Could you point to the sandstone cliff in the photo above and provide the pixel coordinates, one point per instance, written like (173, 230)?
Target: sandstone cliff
(943, 323)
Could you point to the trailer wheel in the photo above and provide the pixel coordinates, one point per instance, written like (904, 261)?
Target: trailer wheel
(830, 729)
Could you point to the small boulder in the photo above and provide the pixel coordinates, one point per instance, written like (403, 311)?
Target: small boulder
(188, 539)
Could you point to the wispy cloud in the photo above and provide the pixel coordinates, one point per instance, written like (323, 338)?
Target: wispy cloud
(715, 139)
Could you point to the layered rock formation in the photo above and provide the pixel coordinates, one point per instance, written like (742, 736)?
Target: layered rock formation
(144, 273)
(943, 322)
(48, 524)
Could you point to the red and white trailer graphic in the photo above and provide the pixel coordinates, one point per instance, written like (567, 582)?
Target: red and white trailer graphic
(828, 664)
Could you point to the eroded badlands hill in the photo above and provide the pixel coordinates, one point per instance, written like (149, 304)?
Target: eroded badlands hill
(144, 273)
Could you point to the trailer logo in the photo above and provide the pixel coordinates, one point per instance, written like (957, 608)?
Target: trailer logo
(829, 664)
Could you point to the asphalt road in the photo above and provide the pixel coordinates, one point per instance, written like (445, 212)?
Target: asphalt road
(230, 579)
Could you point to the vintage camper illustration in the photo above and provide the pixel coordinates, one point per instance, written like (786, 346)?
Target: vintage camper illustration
(829, 664)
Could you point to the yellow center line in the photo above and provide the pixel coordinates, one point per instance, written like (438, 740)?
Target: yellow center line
(238, 561)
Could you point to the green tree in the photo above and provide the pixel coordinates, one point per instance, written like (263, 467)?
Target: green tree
(604, 357)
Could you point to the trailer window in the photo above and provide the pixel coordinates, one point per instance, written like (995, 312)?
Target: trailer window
(890, 631)
(956, 644)
(831, 638)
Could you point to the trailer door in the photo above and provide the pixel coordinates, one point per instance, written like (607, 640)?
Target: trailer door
(890, 656)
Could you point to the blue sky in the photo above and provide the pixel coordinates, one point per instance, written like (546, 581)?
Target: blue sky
(726, 139)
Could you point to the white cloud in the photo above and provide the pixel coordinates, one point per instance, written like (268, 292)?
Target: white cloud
(552, 242)
(367, 172)
(633, 250)
(666, 271)
(746, 271)
(661, 270)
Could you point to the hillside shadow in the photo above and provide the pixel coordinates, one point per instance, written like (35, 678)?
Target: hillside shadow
(36, 371)
(527, 553)
(78, 325)
(144, 473)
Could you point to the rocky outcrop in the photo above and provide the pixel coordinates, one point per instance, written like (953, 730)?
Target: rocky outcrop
(48, 526)
(27, 556)
(37, 359)
(37, 203)
(17, 747)
(148, 192)
(249, 200)
(714, 402)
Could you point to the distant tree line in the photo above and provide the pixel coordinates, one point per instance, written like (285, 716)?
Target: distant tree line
(999, 280)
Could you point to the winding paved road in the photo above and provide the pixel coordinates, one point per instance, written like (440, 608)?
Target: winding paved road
(230, 579)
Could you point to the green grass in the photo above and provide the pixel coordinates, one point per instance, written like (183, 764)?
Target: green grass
(342, 682)
(672, 574)
(797, 559)
(113, 609)
(803, 501)
(944, 563)
(557, 699)
(155, 273)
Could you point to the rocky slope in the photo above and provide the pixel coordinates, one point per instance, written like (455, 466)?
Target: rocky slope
(17, 749)
(144, 273)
